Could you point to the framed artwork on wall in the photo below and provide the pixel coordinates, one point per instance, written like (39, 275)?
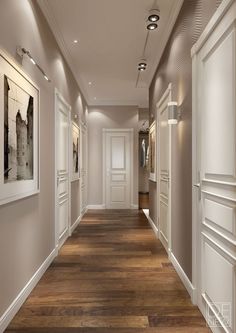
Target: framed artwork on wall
(152, 152)
(19, 133)
(75, 152)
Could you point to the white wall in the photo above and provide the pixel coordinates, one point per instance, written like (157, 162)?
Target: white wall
(108, 117)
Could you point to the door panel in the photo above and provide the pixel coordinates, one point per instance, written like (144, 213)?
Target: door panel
(216, 163)
(83, 169)
(62, 169)
(164, 171)
(117, 171)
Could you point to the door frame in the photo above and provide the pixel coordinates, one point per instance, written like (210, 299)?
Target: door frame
(115, 130)
(59, 97)
(196, 146)
(166, 95)
(83, 127)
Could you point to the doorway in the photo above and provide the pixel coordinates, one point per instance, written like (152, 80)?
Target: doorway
(164, 169)
(62, 169)
(118, 168)
(214, 169)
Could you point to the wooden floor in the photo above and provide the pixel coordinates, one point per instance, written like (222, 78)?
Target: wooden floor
(112, 276)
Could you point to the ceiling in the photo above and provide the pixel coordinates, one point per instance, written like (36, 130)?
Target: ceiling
(111, 38)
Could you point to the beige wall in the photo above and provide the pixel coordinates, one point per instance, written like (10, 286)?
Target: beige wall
(27, 226)
(108, 117)
(175, 68)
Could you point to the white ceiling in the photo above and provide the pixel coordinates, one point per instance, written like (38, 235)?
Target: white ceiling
(111, 36)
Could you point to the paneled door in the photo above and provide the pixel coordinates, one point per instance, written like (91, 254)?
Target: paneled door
(164, 198)
(118, 162)
(214, 175)
(83, 168)
(62, 200)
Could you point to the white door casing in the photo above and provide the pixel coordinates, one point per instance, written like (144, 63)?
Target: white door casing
(83, 165)
(164, 169)
(214, 172)
(62, 168)
(118, 168)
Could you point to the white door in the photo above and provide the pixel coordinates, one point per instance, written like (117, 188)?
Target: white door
(83, 168)
(215, 171)
(117, 168)
(62, 200)
(164, 170)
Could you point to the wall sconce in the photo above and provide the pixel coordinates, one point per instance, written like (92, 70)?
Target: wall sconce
(173, 113)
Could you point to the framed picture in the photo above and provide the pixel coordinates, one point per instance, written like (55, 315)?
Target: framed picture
(152, 152)
(75, 152)
(19, 131)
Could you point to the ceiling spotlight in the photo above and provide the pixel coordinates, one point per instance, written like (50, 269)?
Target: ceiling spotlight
(142, 65)
(152, 26)
(154, 15)
(90, 83)
(75, 41)
(142, 68)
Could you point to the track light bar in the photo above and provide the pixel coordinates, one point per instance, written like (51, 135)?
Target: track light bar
(21, 51)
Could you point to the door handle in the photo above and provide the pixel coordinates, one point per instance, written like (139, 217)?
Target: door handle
(199, 187)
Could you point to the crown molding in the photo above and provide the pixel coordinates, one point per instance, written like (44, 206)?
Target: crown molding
(165, 38)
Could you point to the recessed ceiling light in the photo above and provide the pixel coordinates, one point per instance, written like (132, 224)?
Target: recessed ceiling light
(75, 41)
(142, 69)
(95, 97)
(90, 83)
(152, 26)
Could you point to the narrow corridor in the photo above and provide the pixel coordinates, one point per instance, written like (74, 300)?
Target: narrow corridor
(112, 275)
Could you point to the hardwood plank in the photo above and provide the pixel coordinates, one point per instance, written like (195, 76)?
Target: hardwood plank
(114, 276)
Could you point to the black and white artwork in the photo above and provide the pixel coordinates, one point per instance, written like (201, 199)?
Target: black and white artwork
(18, 133)
(75, 151)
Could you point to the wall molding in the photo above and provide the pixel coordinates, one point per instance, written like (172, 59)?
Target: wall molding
(96, 206)
(152, 224)
(184, 278)
(75, 224)
(24, 293)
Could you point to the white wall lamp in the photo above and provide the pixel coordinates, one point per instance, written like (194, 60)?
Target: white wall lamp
(21, 51)
(173, 113)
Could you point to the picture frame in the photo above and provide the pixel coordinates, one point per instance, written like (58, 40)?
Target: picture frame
(75, 152)
(19, 132)
(152, 152)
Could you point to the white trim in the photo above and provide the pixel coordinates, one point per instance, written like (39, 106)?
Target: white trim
(168, 246)
(134, 206)
(59, 241)
(96, 207)
(75, 225)
(216, 18)
(24, 293)
(184, 278)
(114, 130)
(152, 224)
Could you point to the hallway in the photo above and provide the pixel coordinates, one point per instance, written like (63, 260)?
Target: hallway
(112, 275)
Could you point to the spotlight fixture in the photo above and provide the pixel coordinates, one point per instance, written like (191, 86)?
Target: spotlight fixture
(142, 65)
(152, 26)
(154, 15)
(75, 41)
(21, 51)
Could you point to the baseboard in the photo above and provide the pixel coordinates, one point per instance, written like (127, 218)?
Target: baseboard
(22, 296)
(134, 206)
(96, 207)
(75, 224)
(152, 224)
(187, 283)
